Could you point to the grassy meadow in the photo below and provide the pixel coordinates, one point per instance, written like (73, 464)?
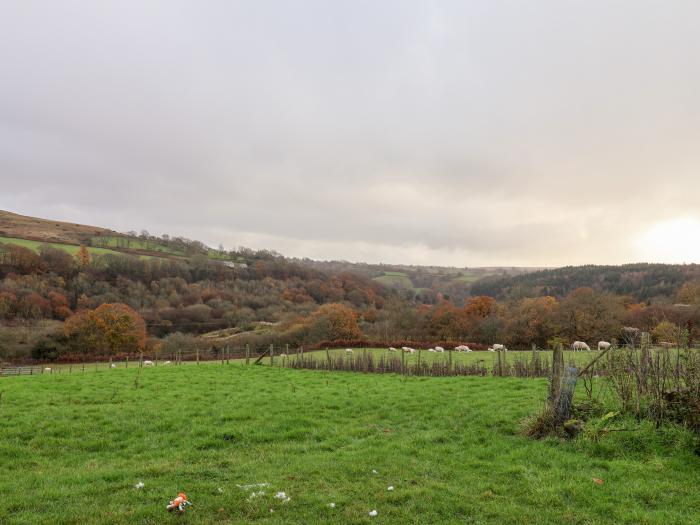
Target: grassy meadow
(70, 248)
(72, 447)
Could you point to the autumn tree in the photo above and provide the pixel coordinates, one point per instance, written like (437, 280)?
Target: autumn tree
(108, 329)
(83, 257)
(331, 322)
(666, 332)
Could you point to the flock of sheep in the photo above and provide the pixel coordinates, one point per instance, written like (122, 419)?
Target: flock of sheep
(576, 346)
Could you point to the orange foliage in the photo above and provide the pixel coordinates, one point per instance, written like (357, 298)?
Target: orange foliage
(109, 328)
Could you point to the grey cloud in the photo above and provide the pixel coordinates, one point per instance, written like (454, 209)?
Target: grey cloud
(466, 132)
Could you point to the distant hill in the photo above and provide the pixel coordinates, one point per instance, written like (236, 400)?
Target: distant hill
(425, 283)
(642, 281)
(43, 230)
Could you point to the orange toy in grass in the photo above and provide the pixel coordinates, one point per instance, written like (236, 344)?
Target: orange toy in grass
(179, 503)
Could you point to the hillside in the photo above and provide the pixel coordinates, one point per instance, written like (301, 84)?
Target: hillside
(43, 230)
(428, 284)
(642, 281)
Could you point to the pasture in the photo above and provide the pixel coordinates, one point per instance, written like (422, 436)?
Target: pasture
(72, 447)
(70, 248)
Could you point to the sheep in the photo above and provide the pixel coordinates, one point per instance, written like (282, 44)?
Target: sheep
(463, 348)
(148, 363)
(603, 345)
(112, 365)
(408, 349)
(439, 349)
(47, 369)
(167, 363)
(392, 349)
(499, 347)
(579, 345)
(491, 349)
(348, 351)
(283, 356)
(431, 350)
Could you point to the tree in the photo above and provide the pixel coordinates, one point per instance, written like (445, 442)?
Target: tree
(331, 322)
(108, 329)
(83, 257)
(666, 332)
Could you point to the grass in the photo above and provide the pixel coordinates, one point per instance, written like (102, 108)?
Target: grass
(72, 446)
(70, 248)
(395, 279)
(136, 244)
(488, 358)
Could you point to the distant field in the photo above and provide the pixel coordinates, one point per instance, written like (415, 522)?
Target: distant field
(72, 447)
(394, 279)
(70, 248)
(136, 244)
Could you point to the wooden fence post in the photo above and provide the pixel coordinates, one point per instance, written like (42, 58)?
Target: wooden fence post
(272, 355)
(247, 354)
(557, 372)
(127, 361)
(403, 360)
(228, 354)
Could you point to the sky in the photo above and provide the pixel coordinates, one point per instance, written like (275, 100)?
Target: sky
(455, 133)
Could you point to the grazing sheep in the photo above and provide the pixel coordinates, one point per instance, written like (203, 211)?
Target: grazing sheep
(463, 348)
(491, 349)
(603, 345)
(408, 349)
(499, 347)
(392, 349)
(439, 349)
(579, 346)
(431, 350)
(113, 365)
(148, 363)
(348, 351)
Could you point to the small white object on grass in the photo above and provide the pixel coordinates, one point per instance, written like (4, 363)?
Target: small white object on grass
(220, 490)
(374, 472)
(139, 485)
(373, 513)
(331, 505)
(283, 497)
(390, 488)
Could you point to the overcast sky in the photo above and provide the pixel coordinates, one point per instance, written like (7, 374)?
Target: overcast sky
(464, 133)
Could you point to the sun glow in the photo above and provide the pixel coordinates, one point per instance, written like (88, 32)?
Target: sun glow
(671, 241)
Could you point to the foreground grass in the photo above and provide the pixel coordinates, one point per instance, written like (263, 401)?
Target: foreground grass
(73, 445)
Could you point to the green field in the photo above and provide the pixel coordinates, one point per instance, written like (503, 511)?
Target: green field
(72, 447)
(131, 243)
(395, 279)
(70, 248)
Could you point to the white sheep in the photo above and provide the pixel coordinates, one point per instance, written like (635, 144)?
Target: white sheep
(603, 345)
(47, 369)
(491, 349)
(348, 351)
(579, 346)
(112, 365)
(463, 348)
(431, 350)
(408, 349)
(167, 363)
(439, 349)
(392, 349)
(148, 363)
(499, 347)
